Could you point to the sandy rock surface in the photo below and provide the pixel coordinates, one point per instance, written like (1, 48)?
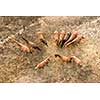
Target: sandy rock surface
(17, 66)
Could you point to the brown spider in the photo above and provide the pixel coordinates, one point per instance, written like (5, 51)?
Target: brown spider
(61, 39)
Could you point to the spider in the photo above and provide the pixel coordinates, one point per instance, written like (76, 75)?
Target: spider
(61, 40)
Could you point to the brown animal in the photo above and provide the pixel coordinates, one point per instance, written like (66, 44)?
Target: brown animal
(76, 40)
(31, 44)
(41, 38)
(56, 37)
(76, 60)
(73, 36)
(63, 58)
(23, 47)
(43, 63)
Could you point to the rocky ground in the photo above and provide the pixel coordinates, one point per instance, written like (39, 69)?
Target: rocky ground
(17, 66)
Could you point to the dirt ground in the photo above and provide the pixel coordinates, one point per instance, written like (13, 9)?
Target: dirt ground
(18, 67)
